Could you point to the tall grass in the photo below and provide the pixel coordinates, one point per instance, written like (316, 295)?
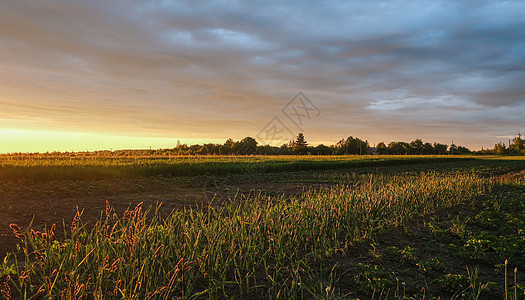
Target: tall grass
(253, 247)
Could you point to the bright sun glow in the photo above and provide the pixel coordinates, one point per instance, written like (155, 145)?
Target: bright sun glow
(44, 141)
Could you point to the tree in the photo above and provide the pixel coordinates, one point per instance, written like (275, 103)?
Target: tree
(352, 145)
(300, 145)
(462, 150)
(428, 149)
(247, 146)
(229, 143)
(440, 149)
(517, 144)
(399, 148)
(181, 149)
(416, 147)
(193, 149)
(210, 148)
(382, 148)
(202, 151)
(322, 150)
(267, 150)
(285, 149)
(500, 148)
(227, 148)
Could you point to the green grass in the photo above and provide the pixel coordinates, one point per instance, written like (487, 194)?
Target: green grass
(287, 247)
(60, 167)
(461, 253)
(250, 247)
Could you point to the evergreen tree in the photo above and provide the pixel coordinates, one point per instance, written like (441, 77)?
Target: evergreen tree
(300, 145)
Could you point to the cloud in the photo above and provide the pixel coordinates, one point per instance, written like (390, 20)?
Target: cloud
(403, 102)
(225, 68)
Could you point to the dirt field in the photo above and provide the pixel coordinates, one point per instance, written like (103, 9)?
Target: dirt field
(47, 203)
(430, 254)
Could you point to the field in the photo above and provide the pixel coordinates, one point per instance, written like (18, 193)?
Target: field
(278, 227)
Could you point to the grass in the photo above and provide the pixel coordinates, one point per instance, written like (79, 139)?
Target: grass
(293, 247)
(59, 167)
(459, 253)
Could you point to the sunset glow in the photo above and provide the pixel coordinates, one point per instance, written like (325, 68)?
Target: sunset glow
(86, 75)
(48, 141)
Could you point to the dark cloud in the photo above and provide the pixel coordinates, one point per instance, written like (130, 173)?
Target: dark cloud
(454, 68)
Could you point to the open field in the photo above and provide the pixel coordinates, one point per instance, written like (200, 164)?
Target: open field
(341, 227)
(57, 167)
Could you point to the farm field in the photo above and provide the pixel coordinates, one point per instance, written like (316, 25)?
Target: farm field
(91, 167)
(337, 227)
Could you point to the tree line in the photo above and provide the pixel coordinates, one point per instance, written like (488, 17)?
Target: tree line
(346, 146)
(516, 146)
(299, 146)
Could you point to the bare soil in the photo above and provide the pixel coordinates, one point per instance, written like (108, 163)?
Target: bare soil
(43, 204)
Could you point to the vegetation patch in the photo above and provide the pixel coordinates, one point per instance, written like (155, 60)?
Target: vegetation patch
(383, 235)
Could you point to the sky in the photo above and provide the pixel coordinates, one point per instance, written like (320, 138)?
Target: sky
(84, 75)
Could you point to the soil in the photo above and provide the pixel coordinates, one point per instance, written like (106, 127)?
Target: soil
(42, 204)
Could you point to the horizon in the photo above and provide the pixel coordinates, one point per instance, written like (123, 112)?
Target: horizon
(61, 142)
(98, 75)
